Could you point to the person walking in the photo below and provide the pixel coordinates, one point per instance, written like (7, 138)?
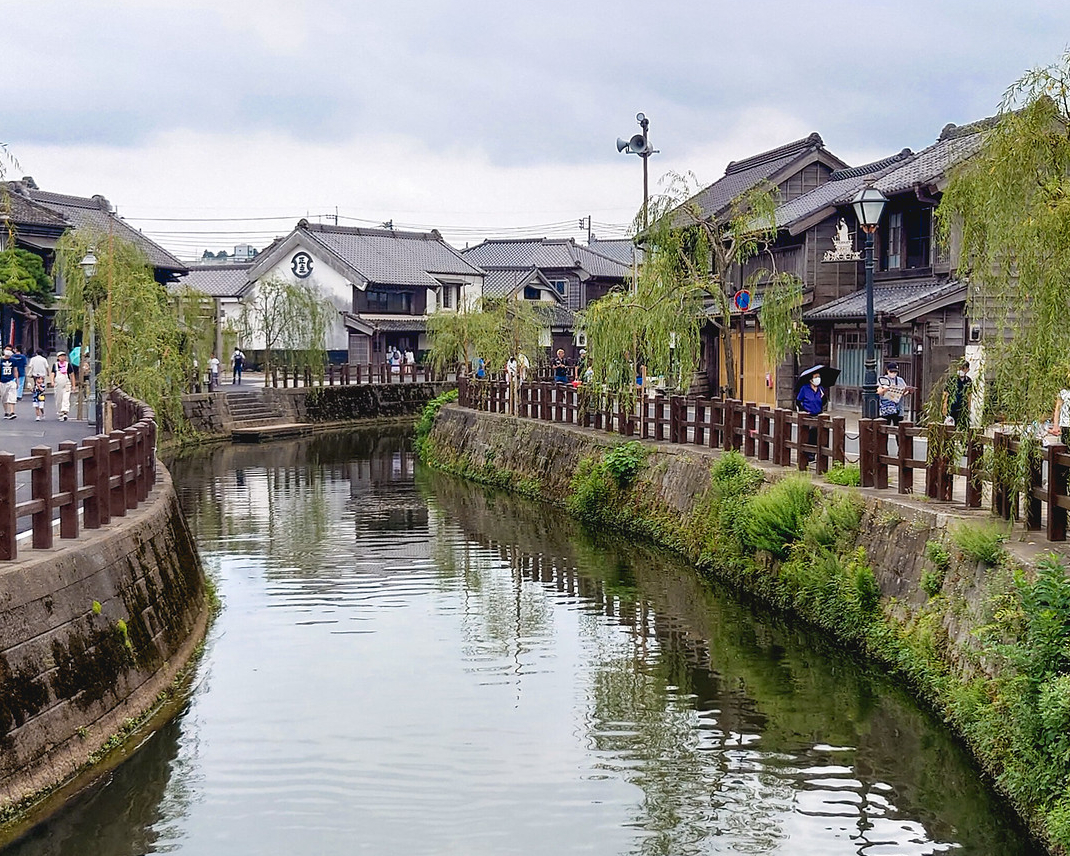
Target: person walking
(213, 372)
(560, 366)
(237, 364)
(61, 382)
(37, 369)
(956, 401)
(891, 388)
(9, 383)
(19, 359)
(812, 399)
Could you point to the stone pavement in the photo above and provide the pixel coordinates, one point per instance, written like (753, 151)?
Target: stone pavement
(22, 434)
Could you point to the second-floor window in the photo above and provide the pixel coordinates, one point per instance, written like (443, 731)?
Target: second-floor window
(390, 302)
(531, 293)
(561, 285)
(449, 300)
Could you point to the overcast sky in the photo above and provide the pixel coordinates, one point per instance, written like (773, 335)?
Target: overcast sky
(478, 118)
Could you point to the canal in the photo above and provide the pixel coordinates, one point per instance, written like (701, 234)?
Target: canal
(409, 664)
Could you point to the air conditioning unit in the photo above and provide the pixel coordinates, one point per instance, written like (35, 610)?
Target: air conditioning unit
(975, 333)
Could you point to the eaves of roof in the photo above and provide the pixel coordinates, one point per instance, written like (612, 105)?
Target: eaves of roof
(903, 300)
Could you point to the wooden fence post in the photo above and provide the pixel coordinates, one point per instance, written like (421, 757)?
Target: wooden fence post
(117, 491)
(867, 450)
(68, 485)
(904, 444)
(8, 519)
(41, 492)
(1001, 491)
(974, 453)
(880, 453)
(129, 444)
(1058, 474)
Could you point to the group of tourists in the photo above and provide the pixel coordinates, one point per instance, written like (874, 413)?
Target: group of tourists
(17, 372)
(812, 397)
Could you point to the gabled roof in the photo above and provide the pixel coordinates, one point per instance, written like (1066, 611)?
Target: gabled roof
(545, 254)
(798, 214)
(772, 166)
(618, 249)
(374, 256)
(930, 166)
(507, 281)
(904, 299)
(95, 214)
(219, 280)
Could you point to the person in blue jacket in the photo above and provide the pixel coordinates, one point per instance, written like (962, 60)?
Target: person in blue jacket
(812, 399)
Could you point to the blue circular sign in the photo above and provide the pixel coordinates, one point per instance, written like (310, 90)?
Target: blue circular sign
(742, 300)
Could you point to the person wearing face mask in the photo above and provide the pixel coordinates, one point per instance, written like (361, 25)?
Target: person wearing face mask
(956, 402)
(891, 388)
(811, 399)
(9, 383)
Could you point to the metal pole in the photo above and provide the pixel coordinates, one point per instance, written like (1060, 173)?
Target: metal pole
(646, 191)
(89, 355)
(869, 380)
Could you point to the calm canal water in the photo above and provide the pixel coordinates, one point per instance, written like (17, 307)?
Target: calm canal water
(407, 664)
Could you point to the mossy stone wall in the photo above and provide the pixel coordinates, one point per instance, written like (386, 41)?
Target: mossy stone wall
(91, 633)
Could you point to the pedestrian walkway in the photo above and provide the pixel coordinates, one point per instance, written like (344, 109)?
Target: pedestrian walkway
(20, 435)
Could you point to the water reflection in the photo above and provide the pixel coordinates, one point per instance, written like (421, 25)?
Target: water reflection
(411, 664)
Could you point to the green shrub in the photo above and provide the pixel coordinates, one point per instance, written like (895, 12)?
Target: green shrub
(980, 542)
(850, 474)
(589, 490)
(774, 518)
(932, 581)
(623, 462)
(834, 521)
(427, 419)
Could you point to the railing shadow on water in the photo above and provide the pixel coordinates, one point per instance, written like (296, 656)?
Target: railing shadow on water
(953, 469)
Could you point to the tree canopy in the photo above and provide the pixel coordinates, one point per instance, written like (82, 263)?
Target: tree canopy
(1009, 208)
(491, 329)
(289, 316)
(685, 280)
(22, 274)
(139, 340)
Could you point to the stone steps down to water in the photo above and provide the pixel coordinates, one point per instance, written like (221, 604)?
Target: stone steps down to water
(251, 409)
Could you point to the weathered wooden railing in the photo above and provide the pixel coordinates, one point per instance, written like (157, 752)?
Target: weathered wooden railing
(791, 439)
(102, 476)
(349, 374)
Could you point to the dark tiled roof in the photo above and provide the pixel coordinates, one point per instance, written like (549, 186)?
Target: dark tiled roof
(388, 257)
(502, 283)
(841, 187)
(888, 299)
(95, 215)
(555, 314)
(741, 176)
(222, 280)
(544, 254)
(618, 249)
(873, 168)
(931, 164)
(24, 211)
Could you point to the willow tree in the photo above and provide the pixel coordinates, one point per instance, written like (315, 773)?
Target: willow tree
(1008, 208)
(138, 335)
(289, 316)
(491, 329)
(687, 278)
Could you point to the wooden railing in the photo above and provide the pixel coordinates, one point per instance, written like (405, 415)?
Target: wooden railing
(353, 373)
(102, 477)
(950, 468)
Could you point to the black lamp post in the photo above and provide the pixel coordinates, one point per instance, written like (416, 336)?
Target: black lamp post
(869, 205)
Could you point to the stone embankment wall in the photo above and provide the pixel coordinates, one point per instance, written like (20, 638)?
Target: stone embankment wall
(674, 479)
(208, 412)
(91, 633)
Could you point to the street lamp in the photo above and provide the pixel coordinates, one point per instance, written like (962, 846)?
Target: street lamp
(89, 267)
(868, 206)
(639, 144)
